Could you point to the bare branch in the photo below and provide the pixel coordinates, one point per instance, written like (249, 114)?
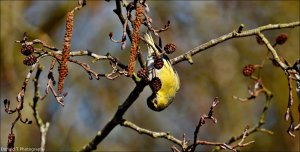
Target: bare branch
(118, 69)
(43, 126)
(202, 122)
(92, 145)
(150, 133)
(272, 50)
(231, 35)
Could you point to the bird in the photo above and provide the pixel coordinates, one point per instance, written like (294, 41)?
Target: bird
(164, 80)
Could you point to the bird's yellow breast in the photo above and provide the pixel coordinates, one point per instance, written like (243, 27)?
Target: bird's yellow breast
(170, 84)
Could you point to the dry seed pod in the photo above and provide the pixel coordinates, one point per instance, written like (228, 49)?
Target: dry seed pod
(158, 62)
(248, 70)
(170, 48)
(30, 60)
(155, 84)
(281, 39)
(27, 49)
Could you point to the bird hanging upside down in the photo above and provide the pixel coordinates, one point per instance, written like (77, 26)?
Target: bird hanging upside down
(164, 80)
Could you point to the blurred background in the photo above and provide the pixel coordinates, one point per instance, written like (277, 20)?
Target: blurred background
(215, 72)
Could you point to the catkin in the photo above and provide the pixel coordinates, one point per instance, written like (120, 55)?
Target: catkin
(135, 38)
(63, 68)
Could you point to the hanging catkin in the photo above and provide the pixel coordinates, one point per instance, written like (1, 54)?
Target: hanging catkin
(63, 68)
(135, 38)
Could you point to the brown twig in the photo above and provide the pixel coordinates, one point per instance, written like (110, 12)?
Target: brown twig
(148, 23)
(58, 53)
(113, 60)
(245, 134)
(202, 122)
(289, 113)
(118, 12)
(43, 126)
(183, 144)
(272, 50)
(123, 40)
(150, 133)
(288, 71)
(227, 146)
(235, 34)
(19, 108)
(116, 72)
(50, 83)
(258, 89)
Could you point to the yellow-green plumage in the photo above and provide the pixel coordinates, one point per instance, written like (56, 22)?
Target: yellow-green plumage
(168, 77)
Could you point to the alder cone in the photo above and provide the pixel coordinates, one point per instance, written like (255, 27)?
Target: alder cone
(170, 48)
(281, 39)
(248, 70)
(27, 49)
(158, 63)
(30, 60)
(155, 84)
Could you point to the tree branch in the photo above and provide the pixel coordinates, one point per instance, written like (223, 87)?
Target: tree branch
(231, 35)
(202, 122)
(261, 122)
(140, 85)
(43, 126)
(152, 134)
(117, 119)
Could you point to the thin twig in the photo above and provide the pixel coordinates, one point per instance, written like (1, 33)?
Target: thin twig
(150, 133)
(202, 122)
(272, 50)
(231, 35)
(43, 126)
(118, 12)
(289, 113)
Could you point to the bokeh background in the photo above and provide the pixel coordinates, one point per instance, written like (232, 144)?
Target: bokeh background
(216, 72)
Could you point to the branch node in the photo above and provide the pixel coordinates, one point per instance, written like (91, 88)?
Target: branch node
(189, 58)
(241, 27)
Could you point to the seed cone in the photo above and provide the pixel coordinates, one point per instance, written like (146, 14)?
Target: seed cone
(248, 70)
(155, 84)
(27, 49)
(30, 60)
(170, 48)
